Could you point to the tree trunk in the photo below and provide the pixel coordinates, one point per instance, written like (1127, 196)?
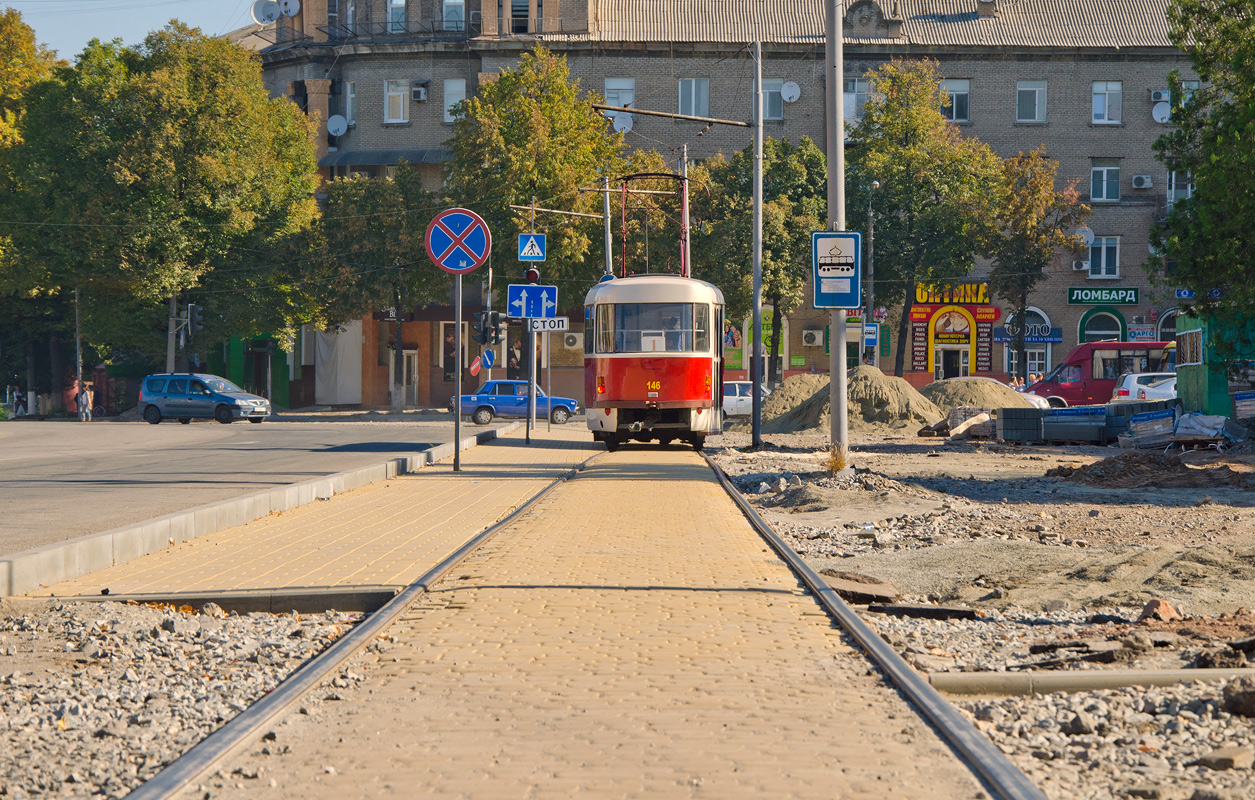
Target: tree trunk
(56, 370)
(398, 352)
(32, 396)
(1021, 354)
(774, 350)
(904, 326)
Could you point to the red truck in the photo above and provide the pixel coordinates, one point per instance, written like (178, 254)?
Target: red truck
(1088, 375)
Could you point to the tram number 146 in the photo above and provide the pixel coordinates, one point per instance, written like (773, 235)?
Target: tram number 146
(653, 386)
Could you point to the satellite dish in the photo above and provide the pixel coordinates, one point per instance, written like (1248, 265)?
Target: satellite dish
(790, 92)
(1086, 234)
(337, 125)
(265, 12)
(622, 123)
(1161, 112)
(289, 8)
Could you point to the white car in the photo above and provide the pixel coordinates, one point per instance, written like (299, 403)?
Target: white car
(738, 400)
(1128, 385)
(1163, 390)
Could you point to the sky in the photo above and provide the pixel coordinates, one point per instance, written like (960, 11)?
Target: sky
(67, 25)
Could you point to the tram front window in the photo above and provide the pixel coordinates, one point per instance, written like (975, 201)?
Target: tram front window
(657, 327)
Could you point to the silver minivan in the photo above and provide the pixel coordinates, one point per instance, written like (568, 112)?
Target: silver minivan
(186, 396)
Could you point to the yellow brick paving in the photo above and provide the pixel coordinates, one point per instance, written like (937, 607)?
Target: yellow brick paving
(384, 534)
(630, 637)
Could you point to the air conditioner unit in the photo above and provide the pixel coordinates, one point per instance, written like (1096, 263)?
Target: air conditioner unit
(1161, 97)
(1080, 265)
(418, 94)
(1143, 181)
(572, 341)
(814, 338)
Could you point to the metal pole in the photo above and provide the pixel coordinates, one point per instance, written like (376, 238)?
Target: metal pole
(837, 386)
(457, 370)
(756, 364)
(78, 354)
(686, 266)
(868, 316)
(531, 381)
(605, 196)
(548, 384)
(488, 310)
(174, 313)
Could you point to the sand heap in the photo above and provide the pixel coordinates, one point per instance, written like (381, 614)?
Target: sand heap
(877, 403)
(973, 393)
(1140, 469)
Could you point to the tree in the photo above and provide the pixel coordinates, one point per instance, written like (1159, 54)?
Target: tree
(528, 134)
(1205, 243)
(937, 187)
(23, 62)
(794, 203)
(1033, 221)
(145, 173)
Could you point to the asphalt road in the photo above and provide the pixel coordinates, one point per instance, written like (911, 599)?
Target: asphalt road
(62, 480)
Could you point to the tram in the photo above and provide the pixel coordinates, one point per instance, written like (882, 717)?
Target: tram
(653, 360)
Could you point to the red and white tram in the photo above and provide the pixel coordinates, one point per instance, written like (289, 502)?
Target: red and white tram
(653, 359)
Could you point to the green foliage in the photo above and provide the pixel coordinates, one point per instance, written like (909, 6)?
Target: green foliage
(1206, 242)
(937, 188)
(529, 134)
(1034, 220)
(23, 62)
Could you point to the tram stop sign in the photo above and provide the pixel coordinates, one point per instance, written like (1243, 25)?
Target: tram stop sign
(458, 241)
(836, 263)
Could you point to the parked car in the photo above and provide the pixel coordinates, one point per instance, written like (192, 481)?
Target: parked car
(1128, 384)
(738, 398)
(1163, 390)
(1087, 375)
(509, 399)
(188, 395)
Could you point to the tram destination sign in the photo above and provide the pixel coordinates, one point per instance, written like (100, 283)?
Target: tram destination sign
(1094, 296)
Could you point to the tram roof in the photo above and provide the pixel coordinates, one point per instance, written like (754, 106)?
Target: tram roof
(654, 288)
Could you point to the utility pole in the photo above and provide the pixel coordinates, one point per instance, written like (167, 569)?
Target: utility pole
(869, 314)
(605, 196)
(170, 332)
(686, 266)
(756, 364)
(78, 352)
(834, 54)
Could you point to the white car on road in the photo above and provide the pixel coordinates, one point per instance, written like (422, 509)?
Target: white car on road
(1162, 390)
(738, 398)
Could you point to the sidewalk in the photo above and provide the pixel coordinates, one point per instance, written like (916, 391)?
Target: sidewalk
(383, 534)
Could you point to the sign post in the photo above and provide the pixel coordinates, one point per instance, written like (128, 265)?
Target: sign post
(458, 241)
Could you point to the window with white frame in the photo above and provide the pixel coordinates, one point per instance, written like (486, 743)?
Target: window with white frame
(350, 101)
(1102, 327)
(1030, 101)
(1107, 102)
(1037, 353)
(396, 16)
(396, 101)
(350, 14)
(620, 92)
(1104, 180)
(695, 97)
(1167, 329)
(857, 90)
(1104, 257)
(959, 92)
(1180, 186)
(454, 93)
(454, 15)
(773, 100)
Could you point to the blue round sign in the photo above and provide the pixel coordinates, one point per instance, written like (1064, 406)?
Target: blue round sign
(458, 240)
(489, 357)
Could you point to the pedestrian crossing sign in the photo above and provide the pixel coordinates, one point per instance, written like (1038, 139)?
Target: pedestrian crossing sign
(531, 247)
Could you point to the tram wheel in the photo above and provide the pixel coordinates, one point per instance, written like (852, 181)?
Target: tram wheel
(612, 442)
(666, 440)
(698, 442)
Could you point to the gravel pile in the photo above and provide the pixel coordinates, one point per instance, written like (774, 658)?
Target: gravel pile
(97, 697)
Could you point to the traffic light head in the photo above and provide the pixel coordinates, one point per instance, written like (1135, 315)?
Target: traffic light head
(480, 327)
(532, 275)
(195, 320)
(496, 328)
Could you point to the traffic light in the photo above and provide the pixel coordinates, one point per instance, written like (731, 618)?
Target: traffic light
(480, 327)
(496, 328)
(195, 322)
(532, 275)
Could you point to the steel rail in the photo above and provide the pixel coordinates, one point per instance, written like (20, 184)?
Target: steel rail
(175, 777)
(1000, 776)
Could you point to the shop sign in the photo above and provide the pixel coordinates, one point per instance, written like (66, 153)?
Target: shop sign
(981, 313)
(1040, 333)
(1086, 296)
(963, 294)
(1141, 333)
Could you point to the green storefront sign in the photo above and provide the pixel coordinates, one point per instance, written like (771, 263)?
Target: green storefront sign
(1086, 296)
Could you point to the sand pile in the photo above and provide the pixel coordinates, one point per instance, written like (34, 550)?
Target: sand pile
(973, 393)
(877, 403)
(1138, 469)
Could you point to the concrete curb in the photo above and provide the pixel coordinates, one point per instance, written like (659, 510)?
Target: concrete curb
(358, 599)
(1014, 683)
(43, 566)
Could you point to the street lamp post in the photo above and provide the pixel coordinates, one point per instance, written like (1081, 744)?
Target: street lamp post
(870, 352)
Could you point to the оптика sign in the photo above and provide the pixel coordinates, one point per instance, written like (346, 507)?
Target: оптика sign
(1086, 296)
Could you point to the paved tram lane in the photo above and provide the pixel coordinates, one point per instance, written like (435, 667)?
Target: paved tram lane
(632, 636)
(61, 480)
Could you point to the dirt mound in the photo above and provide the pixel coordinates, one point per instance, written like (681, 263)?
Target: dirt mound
(973, 393)
(792, 393)
(1136, 470)
(877, 403)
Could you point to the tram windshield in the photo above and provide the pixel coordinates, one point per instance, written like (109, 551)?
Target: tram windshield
(653, 328)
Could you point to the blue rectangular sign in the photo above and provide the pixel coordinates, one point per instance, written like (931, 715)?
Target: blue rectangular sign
(837, 269)
(528, 301)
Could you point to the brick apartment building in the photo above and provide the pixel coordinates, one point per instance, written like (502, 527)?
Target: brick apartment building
(1086, 78)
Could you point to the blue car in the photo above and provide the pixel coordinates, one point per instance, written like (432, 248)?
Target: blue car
(509, 399)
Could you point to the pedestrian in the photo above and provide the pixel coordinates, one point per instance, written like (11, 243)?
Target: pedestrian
(85, 398)
(450, 357)
(19, 403)
(514, 360)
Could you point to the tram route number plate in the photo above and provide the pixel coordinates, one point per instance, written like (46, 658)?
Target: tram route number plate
(548, 324)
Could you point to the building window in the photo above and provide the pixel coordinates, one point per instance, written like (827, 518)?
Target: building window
(396, 101)
(1180, 186)
(333, 14)
(1030, 101)
(350, 14)
(857, 90)
(350, 101)
(1167, 330)
(1038, 352)
(959, 91)
(695, 97)
(1104, 180)
(1190, 347)
(773, 101)
(454, 93)
(454, 15)
(1102, 327)
(620, 92)
(1104, 257)
(1107, 102)
(396, 16)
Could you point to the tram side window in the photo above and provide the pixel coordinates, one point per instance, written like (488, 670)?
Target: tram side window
(701, 329)
(605, 328)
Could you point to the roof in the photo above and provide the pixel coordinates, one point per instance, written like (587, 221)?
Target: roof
(356, 158)
(922, 23)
